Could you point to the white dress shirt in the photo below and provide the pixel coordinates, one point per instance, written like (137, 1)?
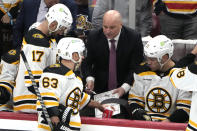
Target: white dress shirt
(43, 9)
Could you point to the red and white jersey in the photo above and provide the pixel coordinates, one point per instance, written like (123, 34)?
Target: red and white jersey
(40, 52)
(184, 79)
(179, 6)
(60, 85)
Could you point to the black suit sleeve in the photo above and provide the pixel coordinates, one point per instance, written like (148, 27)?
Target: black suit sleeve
(88, 62)
(136, 57)
(18, 28)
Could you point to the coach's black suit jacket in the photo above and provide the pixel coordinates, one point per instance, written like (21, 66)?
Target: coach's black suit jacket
(129, 53)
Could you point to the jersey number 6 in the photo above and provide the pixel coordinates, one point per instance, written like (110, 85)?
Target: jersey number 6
(46, 82)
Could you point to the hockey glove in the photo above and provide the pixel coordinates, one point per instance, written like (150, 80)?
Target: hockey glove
(65, 113)
(64, 116)
(4, 95)
(140, 114)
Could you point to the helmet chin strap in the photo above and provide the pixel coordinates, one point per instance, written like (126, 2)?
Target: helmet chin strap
(76, 64)
(51, 31)
(161, 65)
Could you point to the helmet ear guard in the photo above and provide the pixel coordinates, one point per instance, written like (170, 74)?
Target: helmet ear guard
(61, 14)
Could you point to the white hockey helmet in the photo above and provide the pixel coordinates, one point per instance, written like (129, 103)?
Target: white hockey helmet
(68, 45)
(34, 25)
(158, 46)
(61, 14)
(146, 39)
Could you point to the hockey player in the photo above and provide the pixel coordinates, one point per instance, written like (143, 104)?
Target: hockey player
(9, 61)
(186, 79)
(152, 96)
(8, 73)
(40, 51)
(60, 85)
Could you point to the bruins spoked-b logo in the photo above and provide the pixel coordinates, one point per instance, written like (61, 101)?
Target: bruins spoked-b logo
(158, 100)
(73, 100)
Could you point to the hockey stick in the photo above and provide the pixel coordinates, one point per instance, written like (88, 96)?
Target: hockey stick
(44, 109)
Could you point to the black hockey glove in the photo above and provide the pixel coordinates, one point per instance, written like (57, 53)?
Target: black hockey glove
(140, 114)
(65, 113)
(64, 116)
(4, 95)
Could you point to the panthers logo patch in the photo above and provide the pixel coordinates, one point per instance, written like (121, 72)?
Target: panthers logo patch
(158, 100)
(83, 23)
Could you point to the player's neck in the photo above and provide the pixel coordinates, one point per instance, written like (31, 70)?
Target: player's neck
(167, 66)
(68, 64)
(43, 27)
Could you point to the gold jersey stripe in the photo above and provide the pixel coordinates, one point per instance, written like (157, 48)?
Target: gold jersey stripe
(47, 103)
(193, 123)
(79, 78)
(24, 41)
(23, 107)
(187, 110)
(69, 73)
(184, 102)
(141, 104)
(15, 63)
(34, 72)
(51, 42)
(30, 82)
(7, 87)
(156, 118)
(44, 127)
(72, 123)
(84, 99)
(187, 129)
(5, 105)
(6, 5)
(10, 82)
(136, 97)
(147, 73)
(2, 10)
(172, 82)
